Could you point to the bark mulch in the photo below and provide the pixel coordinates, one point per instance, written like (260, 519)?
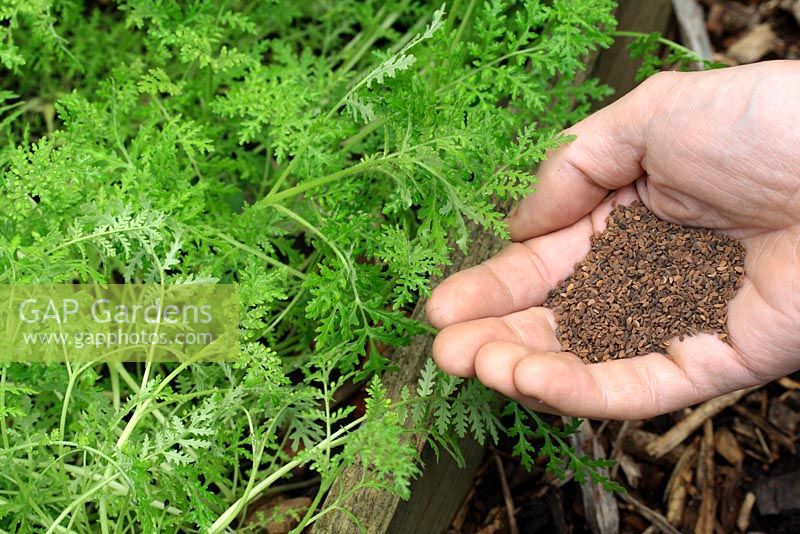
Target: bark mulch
(747, 31)
(728, 465)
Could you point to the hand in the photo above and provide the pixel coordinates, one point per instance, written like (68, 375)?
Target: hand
(718, 149)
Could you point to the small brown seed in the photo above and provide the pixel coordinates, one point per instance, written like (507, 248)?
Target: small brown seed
(643, 282)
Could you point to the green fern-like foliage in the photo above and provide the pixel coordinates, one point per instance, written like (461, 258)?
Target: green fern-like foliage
(327, 157)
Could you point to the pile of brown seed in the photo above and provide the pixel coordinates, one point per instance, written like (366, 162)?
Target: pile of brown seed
(643, 282)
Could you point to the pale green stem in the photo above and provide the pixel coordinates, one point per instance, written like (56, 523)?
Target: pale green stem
(230, 514)
(385, 25)
(3, 429)
(661, 40)
(259, 254)
(464, 22)
(311, 184)
(78, 501)
(71, 242)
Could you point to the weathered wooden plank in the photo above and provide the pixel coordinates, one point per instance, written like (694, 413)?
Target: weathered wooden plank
(438, 495)
(615, 67)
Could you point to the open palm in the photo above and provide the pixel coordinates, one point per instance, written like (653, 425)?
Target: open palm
(714, 149)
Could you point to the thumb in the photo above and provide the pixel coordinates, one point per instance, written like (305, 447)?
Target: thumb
(606, 155)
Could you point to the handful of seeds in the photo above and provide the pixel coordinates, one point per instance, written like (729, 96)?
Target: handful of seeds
(643, 282)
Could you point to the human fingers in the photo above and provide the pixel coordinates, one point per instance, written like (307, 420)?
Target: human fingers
(522, 274)
(633, 388)
(456, 346)
(606, 155)
(516, 278)
(497, 372)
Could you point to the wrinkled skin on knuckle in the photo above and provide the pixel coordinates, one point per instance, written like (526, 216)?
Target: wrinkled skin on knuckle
(721, 148)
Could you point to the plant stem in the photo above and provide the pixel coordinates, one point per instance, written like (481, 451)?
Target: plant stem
(257, 453)
(333, 440)
(115, 394)
(44, 521)
(284, 175)
(128, 379)
(283, 313)
(385, 25)
(485, 66)
(310, 513)
(259, 254)
(464, 21)
(78, 501)
(103, 511)
(662, 40)
(3, 429)
(363, 132)
(121, 489)
(142, 409)
(453, 9)
(71, 242)
(311, 184)
(68, 395)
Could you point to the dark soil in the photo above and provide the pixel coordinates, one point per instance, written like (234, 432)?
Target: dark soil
(644, 282)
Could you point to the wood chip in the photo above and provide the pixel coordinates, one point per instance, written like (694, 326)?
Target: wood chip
(767, 427)
(714, 19)
(601, 508)
(508, 499)
(681, 467)
(755, 44)
(636, 441)
(726, 446)
(705, 479)
(631, 469)
(727, 487)
(494, 521)
(788, 383)
(743, 521)
(737, 17)
(782, 416)
(677, 486)
(692, 24)
(675, 435)
(658, 520)
(278, 515)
